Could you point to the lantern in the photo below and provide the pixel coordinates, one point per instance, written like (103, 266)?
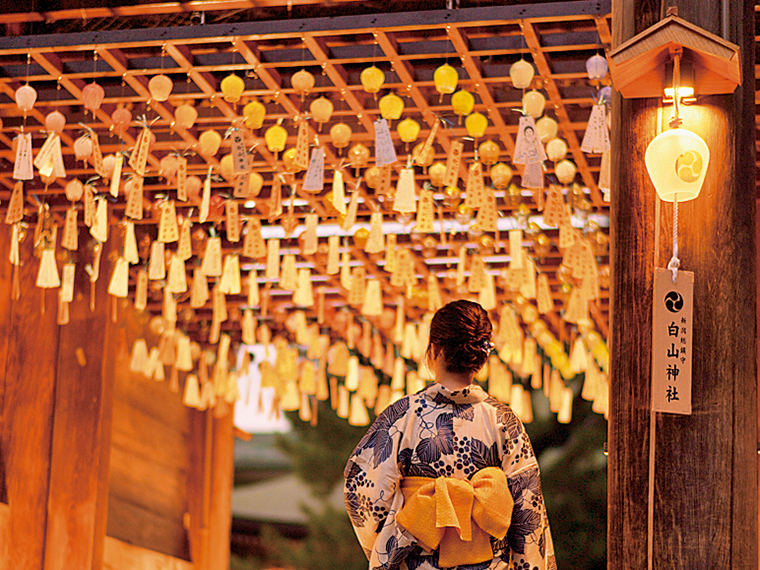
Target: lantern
(232, 88)
(288, 159)
(160, 87)
(596, 67)
(391, 106)
(92, 96)
(121, 118)
(321, 109)
(677, 162)
(168, 166)
(227, 167)
(358, 156)
(452, 197)
(185, 116)
(193, 186)
(253, 115)
(372, 79)
(556, 149)
(255, 183)
(55, 122)
(360, 237)
(521, 72)
(476, 124)
(501, 174)
(546, 128)
(25, 98)
(109, 163)
(209, 143)
(533, 104)
(340, 134)
(83, 148)
(408, 130)
(437, 174)
(74, 190)
(372, 177)
(565, 171)
(276, 136)
(427, 160)
(445, 79)
(488, 151)
(303, 82)
(463, 102)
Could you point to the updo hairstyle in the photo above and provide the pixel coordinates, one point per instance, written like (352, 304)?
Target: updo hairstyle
(461, 332)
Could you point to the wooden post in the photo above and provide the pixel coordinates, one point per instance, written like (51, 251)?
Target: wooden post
(705, 470)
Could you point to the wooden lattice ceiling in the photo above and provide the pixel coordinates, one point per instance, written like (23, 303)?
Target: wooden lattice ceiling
(481, 43)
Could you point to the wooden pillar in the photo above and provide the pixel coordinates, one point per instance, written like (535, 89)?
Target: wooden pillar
(705, 482)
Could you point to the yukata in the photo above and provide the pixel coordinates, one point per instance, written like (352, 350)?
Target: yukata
(439, 433)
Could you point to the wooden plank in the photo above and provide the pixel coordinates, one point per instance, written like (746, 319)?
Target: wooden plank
(5, 515)
(5, 321)
(222, 475)
(120, 555)
(83, 400)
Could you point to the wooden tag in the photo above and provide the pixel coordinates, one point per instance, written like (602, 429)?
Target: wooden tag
(385, 153)
(585, 265)
(58, 167)
(453, 162)
(289, 274)
(533, 177)
(310, 235)
(390, 253)
(97, 155)
(477, 274)
(119, 285)
(461, 265)
(487, 295)
(596, 139)
(353, 206)
(672, 341)
(515, 249)
(185, 248)
(139, 156)
(15, 211)
(254, 245)
(528, 285)
(116, 176)
(230, 281)
(419, 158)
(44, 159)
(567, 236)
(406, 201)
(219, 305)
(212, 258)
(488, 218)
(554, 210)
(333, 242)
(22, 168)
(182, 179)
(434, 293)
(384, 181)
(577, 307)
(70, 238)
(475, 189)
(544, 295)
(89, 206)
(273, 259)
(301, 158)
(67, 282)
(314, 179)
(240, 161)
(345, 271)
(425, 212)
(275, 199)
(177, 281)
(232, 221)
(253, 289)
(356, 293)
(373, 300)
(528, 147)
(375, 241)
(199, 293)
(134, 207)
(157, 265)
(338, 195)
(141, 290)
(168, 230)
(303, 296)
(99, 228)
(249, 327)
(205, 198)
(321, 305)
(605, 175)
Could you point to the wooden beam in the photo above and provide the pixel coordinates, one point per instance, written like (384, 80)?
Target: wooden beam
(119, 555)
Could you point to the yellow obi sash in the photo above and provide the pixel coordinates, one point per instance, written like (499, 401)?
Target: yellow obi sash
(440, 512)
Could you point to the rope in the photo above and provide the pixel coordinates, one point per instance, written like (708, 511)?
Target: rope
(675, 120)
(674, 262)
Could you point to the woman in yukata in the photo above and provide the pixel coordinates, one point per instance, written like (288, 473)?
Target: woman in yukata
(447, 478)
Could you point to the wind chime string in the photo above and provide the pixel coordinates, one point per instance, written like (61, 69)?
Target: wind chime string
(674, 262)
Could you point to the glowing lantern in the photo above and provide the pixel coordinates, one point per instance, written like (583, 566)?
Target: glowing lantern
(232, 88)
(372, 177)
(391, 106)
(408, 130)
(463, 102)
(92, 96)
(476, 124)
(255, 183)
(26, 96)
(193, 186)
(372, 79)
(547, 128)
(437, 174)
(533, 104)
(596, 67)
(426, 160)
(276, 136)
(556, 149)
(445, 79)
(303, 82)
(83, 148)
(501, 174)
(74, 190)
(358, 156)
(253, 115)
(185, 116)
(209, 143)
(168, 166)
(160, 87)
(288, 159)
(340, 134)
(565, 171)
(109, 163)
(55, 122)
(360, 237)
(321, 109)
(677, 162)
(488, 151)
(227, 167)
(121, 118)
(452, 197)
(521, 72)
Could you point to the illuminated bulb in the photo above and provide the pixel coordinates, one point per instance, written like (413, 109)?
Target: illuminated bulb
(565, 171)
(372, 79)
(501, 174)
(232, 88)
(437, 174)
(463, 102)
(391, 106)
(253, 115)
(408, 130)
(445, 79)
(488, 151)
(521, 72)
(677, 162)
(476, 124)
(556, 149)
(276, 136)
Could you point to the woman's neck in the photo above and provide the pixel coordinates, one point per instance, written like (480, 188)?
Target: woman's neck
(451, 380)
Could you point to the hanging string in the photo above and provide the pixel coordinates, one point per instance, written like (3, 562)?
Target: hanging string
(674, 262)
(675, 120)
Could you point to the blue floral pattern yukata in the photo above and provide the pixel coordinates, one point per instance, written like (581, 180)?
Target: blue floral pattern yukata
(440, 433)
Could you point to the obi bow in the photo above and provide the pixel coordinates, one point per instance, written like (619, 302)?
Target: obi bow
(458, 515)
